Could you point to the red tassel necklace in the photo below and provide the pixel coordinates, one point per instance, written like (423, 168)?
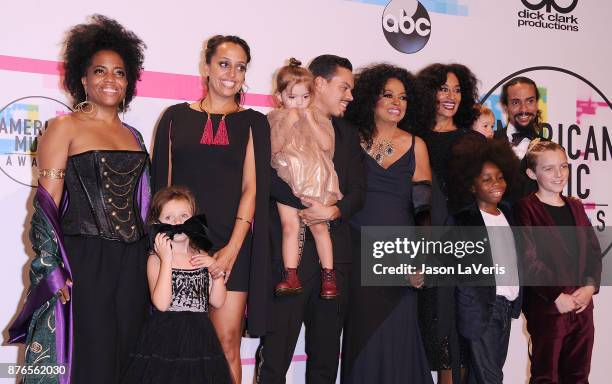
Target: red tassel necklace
(221, 138)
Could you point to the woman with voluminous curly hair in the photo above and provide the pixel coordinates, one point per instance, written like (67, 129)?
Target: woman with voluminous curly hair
(398, 192)
(445, 112)
(88, 297)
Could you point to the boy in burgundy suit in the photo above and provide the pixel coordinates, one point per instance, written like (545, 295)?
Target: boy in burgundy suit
(563, 267)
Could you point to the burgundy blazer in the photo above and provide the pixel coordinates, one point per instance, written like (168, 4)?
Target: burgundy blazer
(547, 258)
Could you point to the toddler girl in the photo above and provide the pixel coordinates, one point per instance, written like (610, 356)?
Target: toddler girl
(302, 152)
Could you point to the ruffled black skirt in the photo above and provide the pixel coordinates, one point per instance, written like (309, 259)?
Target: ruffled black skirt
(178, 347)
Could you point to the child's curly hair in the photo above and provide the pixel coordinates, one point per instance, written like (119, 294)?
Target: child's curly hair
(468, 157)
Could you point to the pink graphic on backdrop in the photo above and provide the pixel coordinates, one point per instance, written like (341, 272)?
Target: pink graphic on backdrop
(587, 107)
(160, 85)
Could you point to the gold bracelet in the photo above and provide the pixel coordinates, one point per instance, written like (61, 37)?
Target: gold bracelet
(245, 220)
(52, 173)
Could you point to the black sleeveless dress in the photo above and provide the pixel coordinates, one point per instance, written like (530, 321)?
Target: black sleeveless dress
(214, 175)
(106, 246)
(180, 345)
(381, 340)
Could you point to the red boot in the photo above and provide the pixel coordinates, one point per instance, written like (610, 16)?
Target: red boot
(290, 284)
(328, 284)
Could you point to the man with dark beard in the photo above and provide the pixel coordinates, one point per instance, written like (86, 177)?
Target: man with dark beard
(519, 99)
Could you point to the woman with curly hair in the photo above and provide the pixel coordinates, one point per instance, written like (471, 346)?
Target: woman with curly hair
(447, 94)
(480, 175)
(221, 151)
(383, 344)
(88, 297)
(446, 97)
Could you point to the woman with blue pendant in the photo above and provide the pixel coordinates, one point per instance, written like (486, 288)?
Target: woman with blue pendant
(88, 297)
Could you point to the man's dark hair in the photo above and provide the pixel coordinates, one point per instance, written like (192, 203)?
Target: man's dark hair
(515, 81)
(325, 66)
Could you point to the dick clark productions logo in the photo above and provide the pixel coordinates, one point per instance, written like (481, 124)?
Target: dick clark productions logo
(556, 14)
(406, 25)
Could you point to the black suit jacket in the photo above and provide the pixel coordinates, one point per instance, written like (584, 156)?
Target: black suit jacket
(523, 185)
(475, 303)
(348, 163)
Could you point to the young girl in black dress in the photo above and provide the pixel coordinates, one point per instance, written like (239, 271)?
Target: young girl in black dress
(179, 344)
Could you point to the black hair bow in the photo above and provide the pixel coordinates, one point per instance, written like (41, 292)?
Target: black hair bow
(195, 228)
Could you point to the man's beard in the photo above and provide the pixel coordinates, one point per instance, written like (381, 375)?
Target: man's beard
(531, 127)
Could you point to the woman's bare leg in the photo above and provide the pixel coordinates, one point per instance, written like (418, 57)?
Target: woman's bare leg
(228, 324)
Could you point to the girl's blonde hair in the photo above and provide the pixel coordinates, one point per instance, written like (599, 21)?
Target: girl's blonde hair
(481, 110)
(293, 74)
(536, 147)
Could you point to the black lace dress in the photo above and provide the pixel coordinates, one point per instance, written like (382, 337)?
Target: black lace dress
(444, 347)
(180, 345)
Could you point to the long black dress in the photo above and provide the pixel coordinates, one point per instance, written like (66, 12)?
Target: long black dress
(381, 341)
(444, 348)
(214, 174)
(105, 241)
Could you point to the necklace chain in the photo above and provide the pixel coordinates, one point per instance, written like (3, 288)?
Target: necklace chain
(379, 149)
(201, 105)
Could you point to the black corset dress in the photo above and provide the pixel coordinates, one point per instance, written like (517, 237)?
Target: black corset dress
(180, 345)
(107, 248)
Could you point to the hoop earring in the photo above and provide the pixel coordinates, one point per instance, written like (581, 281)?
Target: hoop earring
(242, 92)
(85, 107)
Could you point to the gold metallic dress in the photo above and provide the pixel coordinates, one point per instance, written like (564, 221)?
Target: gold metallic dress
(302, 153)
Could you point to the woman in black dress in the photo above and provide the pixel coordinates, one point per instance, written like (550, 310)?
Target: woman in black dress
(90, 205)
(381, 340)
(216, 148)
(447, 94)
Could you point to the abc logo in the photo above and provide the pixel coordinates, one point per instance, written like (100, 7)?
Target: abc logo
(406, 25)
